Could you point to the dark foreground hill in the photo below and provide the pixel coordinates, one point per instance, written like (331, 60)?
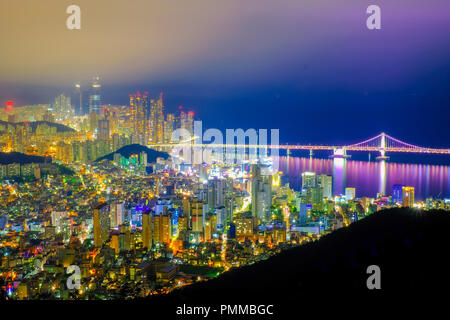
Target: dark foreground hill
(17, 157)
(410, 247)
(131, 149)
(33, 125)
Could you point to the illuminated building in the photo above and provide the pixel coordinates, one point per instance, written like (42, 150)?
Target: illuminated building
(408, 196)
(397, 193)
(162, 204)
(350, 193)
(308, 180)
(124, 238)
(314, 197)
(187, 211)
(305, 210)
(62, 108)
(103, 129)
(143, 158)
(208, 229)
(182, 224)
(169, 126)
(115, 243)
(244, 227)
(157, 121)
(326, 183)
(221, 218)
(147, 232)
(93, 121)
(279, 235)
(162, 227)
(57, 219)
(117, 214)
(261, 187)
(197, 215)
(79, 110)
(187, 121)
(101, 224)
(276, 180)
(139, 109)
(95, 97)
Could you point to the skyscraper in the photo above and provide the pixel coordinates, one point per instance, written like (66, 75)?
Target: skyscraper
(326, 183)
(187, 121)
(261, 189)
(308, 180)
(62, 108)
(408, 196)
(139, 104)
(95, 96)
(350, 193)
(157, 120)
(117, 214)
(162, 227)
(101, 224)
(147, 232)
(397, 193)
(197, 215)
(78, 97)
(103, 129)
(169, 126)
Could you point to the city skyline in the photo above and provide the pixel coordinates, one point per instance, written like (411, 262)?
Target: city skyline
(198, 152)
(294, 67)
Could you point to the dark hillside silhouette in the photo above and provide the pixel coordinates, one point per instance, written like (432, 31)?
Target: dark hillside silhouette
(411, 248)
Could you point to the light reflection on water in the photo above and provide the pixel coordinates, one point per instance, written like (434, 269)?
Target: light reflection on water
(369, 178)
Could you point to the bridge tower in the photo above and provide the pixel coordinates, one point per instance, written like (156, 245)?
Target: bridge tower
(383, 147)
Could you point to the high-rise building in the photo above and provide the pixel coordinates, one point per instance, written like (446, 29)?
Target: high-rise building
(62, 108)
(305, 209)
(139, 110)
(147, 229)
(326, 183)
(124, 237)
(397, 193)
(197, 215)
(115, 242)
(95, 96)
(161, 204)
(103, 129)
(308, 180)
(261, 189)
(408, 196)
(169, 126)
(314, 197)
(162, 227)
(187, 121)
(79, 98)
(187, 211)
(101, 224)
(350, 193)
(157, 120)
(117, 214)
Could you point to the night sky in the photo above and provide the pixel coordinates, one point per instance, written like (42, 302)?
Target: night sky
(309, 68)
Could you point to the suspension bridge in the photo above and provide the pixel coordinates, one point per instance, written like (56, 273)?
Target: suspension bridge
(382, 143)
